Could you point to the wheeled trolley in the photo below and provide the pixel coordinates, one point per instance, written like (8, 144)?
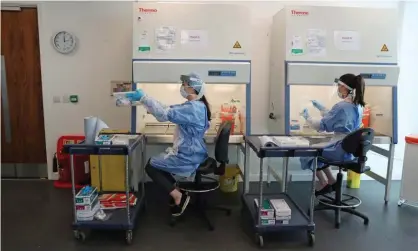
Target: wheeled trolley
(121, 218)
(299, 219)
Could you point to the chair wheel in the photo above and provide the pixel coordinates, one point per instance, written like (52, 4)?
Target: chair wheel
(337, 225)
(129, 237)
(242, 210)
(172, 222)
(311, 238)
(228, 212)
(366, 222)
(79, 235)
(259, 240)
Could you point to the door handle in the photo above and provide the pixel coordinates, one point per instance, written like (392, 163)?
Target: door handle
(5, 103)
(272, 116)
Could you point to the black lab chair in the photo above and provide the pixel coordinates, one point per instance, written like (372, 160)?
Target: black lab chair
(357, 143)
(203, 183)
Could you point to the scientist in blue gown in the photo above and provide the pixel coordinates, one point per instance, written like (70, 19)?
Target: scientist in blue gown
(344, 118)
(192, 120)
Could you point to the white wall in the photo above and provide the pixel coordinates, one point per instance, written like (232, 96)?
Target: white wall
(408, 61)
(104, 32)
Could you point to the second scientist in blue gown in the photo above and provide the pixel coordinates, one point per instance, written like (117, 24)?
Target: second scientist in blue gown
(192, 120)
(343, 118)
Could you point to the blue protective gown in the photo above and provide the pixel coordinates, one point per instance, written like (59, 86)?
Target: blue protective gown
(189, 149)
(344, 118)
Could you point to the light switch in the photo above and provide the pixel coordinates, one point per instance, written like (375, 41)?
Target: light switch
(66, 99)
(56, 99)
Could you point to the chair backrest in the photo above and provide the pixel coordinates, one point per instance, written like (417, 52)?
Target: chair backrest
(222, 142)
(359, 143)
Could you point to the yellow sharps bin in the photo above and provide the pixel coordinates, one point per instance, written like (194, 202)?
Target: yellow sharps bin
(113, 168)
(353, 179)
(228, 183)
(113, 172)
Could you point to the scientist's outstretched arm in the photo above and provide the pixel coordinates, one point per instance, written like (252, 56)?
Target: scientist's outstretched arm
(314, 123)
(177, 114)
(322, 109)
(153, 106)
(333, 119)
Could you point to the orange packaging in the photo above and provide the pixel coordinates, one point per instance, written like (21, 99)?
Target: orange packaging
(366, 117)
(116, 200)
(228, 117)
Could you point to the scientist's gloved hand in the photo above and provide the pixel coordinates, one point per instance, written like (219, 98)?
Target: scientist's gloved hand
(318, 105)
(136, 96)
(305, 114)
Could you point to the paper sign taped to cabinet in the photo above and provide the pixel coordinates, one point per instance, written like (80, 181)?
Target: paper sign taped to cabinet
(347, 40)
(194, 38)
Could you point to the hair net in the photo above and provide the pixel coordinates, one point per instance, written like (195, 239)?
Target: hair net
(195, 82)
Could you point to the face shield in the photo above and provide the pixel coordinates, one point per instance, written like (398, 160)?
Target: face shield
(194, 82)
(337, 86)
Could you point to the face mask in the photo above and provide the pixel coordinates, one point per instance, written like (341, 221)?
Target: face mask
(340, 95)
(183, 92)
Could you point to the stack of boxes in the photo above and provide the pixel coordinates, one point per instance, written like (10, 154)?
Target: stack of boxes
(282, 211)
(87, 203)
(274, 211)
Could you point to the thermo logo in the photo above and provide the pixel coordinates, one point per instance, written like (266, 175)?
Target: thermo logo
(299, 13)
(146, 10)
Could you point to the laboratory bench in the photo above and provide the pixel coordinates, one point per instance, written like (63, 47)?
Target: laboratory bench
(209, 139)
(154, 136)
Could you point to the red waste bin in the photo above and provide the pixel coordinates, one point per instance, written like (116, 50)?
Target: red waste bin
(81, 162)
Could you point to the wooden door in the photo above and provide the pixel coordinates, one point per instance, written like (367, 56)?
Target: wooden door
(22, 123)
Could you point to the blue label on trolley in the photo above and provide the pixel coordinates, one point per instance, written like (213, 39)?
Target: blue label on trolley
(373, 75)
(222, 73)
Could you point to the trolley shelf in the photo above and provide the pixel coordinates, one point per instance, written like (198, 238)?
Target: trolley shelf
(299, 220)
(119, 218)
(94, 149)
(117, 221)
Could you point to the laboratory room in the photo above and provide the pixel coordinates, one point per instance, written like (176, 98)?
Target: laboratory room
(149, 125)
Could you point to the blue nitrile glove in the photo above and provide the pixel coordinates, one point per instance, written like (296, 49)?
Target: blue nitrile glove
(85, 190)
(318, 105)
(305, 114)
(136, 96)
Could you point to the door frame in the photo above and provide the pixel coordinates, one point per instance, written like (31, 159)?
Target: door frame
(39, 171)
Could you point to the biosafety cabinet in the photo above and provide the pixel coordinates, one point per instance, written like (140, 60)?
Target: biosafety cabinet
(173, 39)
(312, 46)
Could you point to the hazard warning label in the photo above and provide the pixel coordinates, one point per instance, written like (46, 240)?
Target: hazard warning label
(237, 45)
(384, 48)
